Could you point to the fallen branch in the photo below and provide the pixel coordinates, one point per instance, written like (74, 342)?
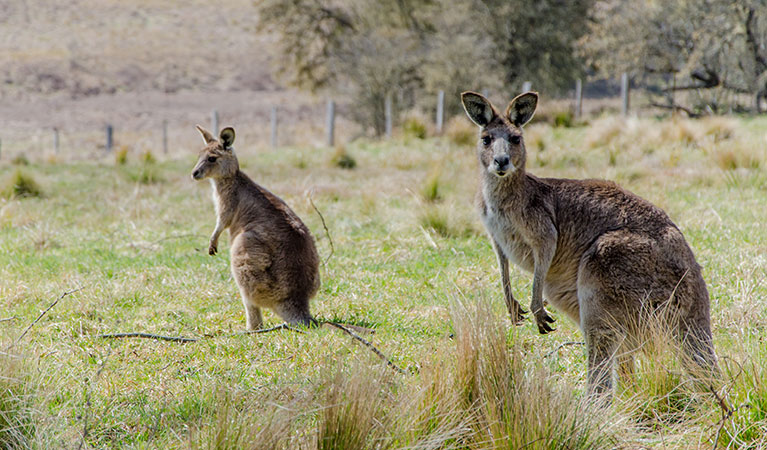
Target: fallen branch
(40, 317)
(8, 319)
(148, 336)
(562, 345)
(184, 340)
(327, 232)
(368, 345)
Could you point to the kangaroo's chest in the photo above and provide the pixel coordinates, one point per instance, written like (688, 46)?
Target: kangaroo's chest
(500, 225)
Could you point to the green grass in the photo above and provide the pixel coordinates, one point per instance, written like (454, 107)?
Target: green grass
(137, 245)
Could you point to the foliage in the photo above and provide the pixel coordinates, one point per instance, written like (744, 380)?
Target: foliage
(713, 48)
(367, 50)
(20, 184)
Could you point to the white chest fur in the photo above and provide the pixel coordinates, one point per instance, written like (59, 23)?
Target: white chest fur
(501, 228)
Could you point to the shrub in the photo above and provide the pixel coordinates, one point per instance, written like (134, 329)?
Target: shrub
(19, 184)
(121, 156)
(414, 127)
(20, 160)
(148, 157)
(342, 159)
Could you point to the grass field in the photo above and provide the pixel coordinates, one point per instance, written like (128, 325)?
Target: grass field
(410, 261)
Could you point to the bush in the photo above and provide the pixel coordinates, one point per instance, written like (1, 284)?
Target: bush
(20, 160)
(21, 185)
(148, 157)
(342, 159)
(121, 156)
(414, 127)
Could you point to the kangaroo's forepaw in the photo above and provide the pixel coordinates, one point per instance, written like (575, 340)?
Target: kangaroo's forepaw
(518, 316)
(212, 249)
(543, 319)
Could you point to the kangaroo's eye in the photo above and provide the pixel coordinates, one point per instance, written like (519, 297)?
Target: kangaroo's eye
(486, 140)
(515, 139)
(211, 159)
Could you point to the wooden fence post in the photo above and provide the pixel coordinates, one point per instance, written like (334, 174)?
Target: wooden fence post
(578, 98)
(273, 128)
(624, 94)
(526, 86)
(214, 122)
(388, 115)
(440, 110)
(165, 137)
(109, 132)
(55, 140)
(331, 123)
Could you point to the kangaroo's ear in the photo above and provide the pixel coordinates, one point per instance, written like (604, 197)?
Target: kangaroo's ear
(227, 137)
(478, 108)
(522, 108)
(206, 136)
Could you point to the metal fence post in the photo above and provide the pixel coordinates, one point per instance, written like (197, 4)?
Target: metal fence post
(440, 110)
(214, 122)
(526, 86)
(331, 123)
(109, 132)
(388, 115)
(578, 98)
(624, 94)
(273, 134)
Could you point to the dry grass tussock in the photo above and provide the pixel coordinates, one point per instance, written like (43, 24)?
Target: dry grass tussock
(18, 418)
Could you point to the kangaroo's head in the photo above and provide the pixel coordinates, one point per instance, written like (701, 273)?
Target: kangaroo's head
(501, 148)
(217, 159)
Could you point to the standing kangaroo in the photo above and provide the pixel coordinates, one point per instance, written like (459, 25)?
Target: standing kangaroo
(603, 256)
(274, 260)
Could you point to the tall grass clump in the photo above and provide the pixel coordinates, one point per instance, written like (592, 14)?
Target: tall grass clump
(20, 184)
(238, 425)
(431, 191)
(341, 158)
(746, 427)
(414, 127)
(121, 156)
(17, 393)
(352, 415)
(514, 400)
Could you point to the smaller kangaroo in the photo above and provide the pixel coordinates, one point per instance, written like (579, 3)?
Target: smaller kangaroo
(273, 257)
(605, 257)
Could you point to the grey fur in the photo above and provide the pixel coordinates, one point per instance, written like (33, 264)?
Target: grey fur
(603, 256)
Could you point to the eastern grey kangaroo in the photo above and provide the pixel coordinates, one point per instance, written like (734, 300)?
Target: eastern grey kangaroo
(273, 257)
(605, 257)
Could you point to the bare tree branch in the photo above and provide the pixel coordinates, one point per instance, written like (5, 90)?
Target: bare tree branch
(41, 316)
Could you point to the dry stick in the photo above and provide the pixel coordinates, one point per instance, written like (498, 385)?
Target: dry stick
(41, 316)
(185, 340)
(8, 319)
(564, 344)
(327, 232)
(368, 345)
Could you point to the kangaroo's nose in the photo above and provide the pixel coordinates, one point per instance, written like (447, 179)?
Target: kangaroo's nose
(196, 174)
(501, 161)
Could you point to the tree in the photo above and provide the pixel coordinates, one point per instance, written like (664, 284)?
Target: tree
(714, 49)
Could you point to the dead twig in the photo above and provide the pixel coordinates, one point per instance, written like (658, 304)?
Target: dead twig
(562, 345)
(327, 232)
(368, 345)
(185, 340)
(41, 316)
(158, 337)
(8, 319)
